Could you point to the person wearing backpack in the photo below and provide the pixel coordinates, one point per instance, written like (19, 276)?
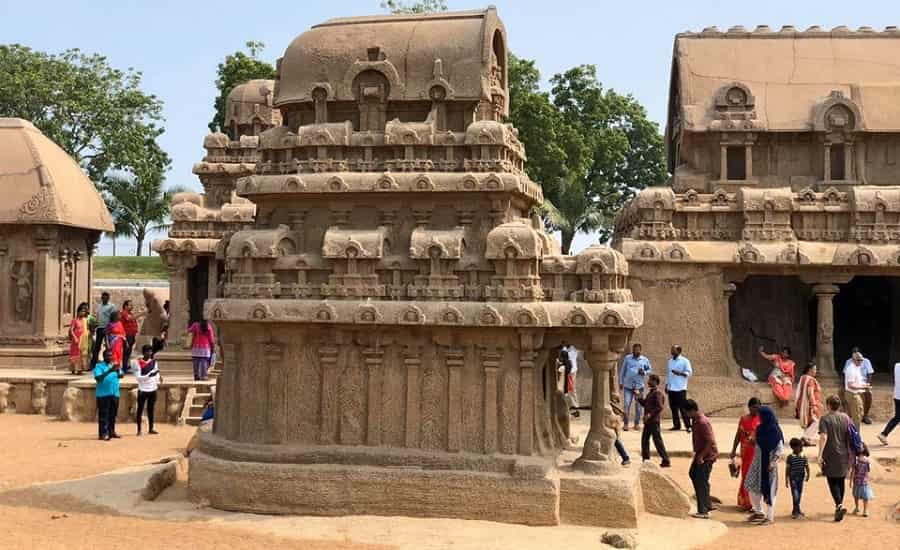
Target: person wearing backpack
(835, 433)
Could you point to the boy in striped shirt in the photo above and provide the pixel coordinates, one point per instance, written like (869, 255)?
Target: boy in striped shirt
(796, 473)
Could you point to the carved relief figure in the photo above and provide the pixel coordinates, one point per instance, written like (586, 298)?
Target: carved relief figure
(39, 398)
(173, 404)
(5, 390)
(22, 291)
(71, 405)
(68, 269)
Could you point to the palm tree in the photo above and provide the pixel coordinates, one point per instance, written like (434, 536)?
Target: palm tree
(575, 211)
(137, 202)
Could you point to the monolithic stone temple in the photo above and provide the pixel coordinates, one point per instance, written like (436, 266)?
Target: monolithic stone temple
(781, 223)
(390, 322)
(51, 217)
(200, 221)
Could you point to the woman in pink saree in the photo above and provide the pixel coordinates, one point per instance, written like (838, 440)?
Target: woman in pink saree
(809, 408)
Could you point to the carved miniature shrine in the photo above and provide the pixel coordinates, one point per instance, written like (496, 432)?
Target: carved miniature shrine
(782, 218)
(199, 221)
(50, 221)
(391, 320)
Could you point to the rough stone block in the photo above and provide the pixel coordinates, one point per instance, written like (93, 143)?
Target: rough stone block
(661, 494)
(607, 501)
(163, 476)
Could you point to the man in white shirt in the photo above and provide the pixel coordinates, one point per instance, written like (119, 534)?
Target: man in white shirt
(854, 386)
(677, 373)
(892, 423)
(867, 371)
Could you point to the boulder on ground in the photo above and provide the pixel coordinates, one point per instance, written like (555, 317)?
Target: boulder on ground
(162, 477)
(619, 540)
(661, 494)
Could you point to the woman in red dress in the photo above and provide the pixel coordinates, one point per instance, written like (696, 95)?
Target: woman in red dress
(781, 378)
(115, 338)
(746, 437)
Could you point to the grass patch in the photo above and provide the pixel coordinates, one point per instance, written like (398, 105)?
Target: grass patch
(129, 267)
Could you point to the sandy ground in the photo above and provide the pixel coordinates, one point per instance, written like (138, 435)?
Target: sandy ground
(87, 497)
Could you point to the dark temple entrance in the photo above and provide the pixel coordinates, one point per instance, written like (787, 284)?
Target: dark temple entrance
(866, 315)
(772, 311)
(198, 288)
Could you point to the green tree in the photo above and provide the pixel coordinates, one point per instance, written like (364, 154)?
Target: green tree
(590, 149)
(96, 113)
(238, 68)
(138, 203)
(420, 6)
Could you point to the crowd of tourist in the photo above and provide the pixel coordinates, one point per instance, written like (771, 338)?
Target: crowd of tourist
(103, 343)
(759, 442)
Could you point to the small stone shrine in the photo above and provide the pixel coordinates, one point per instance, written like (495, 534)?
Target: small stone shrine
(51, 219)
(391, 321)
(781, 222)
(199, 221)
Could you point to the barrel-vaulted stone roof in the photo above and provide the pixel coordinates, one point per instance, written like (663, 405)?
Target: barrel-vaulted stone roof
(789, 73)
(41, 184)
(402, 47)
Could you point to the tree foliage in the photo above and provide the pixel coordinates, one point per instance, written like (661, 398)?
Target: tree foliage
(138, 202)
(591, 149)
(96, 113)
(421, 6)
(238, 68)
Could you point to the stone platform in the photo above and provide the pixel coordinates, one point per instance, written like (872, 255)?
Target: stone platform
(71, 397)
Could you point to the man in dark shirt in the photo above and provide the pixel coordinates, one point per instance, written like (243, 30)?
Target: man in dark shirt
(705, 454)
(653, 408)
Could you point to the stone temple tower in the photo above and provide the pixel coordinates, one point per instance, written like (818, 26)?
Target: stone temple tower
(391, 322)
(199, 221)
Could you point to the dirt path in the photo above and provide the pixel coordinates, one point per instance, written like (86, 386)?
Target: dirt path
(818, 531)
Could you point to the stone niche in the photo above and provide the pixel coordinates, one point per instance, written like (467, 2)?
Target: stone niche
(50, 221)
(391, 321)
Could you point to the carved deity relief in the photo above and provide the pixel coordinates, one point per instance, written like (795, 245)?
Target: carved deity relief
(22, 288)
(67, 284)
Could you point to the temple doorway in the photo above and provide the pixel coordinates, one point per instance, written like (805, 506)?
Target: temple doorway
(772, 311)
(866, 315)
(198, 288)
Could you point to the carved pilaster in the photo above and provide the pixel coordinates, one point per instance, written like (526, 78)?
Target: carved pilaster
(529, 342)
(328, 358)
(412, 359)
(454, 358)
(825, 293)
(44, 240)
(490, 362)
(4, 286)
(374, 359)
(273, 353)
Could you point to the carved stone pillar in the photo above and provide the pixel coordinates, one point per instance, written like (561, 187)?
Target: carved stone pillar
(4, 287)
(44, 323)
(490, 362)
(529, 341)
(179, 306)
(598, 446)
(454, 358)
(373, 359)
(825, 330)
(412, 359)
(328, 408)
(273, 353)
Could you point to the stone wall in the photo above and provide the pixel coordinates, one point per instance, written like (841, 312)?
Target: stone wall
(118, 294)
(685, 305)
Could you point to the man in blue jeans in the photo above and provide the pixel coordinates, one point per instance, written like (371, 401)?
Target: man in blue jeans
(107, 375)
(631, 382)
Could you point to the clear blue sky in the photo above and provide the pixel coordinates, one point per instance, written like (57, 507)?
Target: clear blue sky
(178, 44)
